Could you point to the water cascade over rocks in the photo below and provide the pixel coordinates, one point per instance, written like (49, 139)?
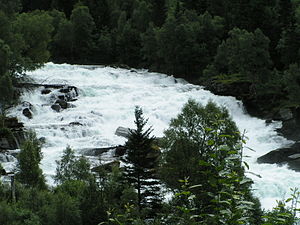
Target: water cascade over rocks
(106, 100)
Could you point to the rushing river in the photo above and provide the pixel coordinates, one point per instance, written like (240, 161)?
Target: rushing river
(107, 98)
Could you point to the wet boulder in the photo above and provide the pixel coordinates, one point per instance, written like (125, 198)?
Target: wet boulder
(288, 155)
(290, 118)
(27, 112)
(63, 104)
(45, 91)
(56, 107)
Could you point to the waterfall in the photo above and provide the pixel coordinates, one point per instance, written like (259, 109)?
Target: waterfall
(107, 98)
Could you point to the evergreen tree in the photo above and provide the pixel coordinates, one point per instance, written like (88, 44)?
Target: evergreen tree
(29, 172)
(83, 33)
(10, 6)
(150, 48)
(63, 42)
(141, 16)
(292, 81)
(289, 46)
(128, 42)
(159, 12)
(100, 12)
(142, 162)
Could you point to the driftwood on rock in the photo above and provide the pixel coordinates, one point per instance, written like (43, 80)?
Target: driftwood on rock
(64, 88)
(96, 151)
(123, 132)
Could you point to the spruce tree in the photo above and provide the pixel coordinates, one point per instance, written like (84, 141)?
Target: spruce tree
(30, 156)
(141, 162)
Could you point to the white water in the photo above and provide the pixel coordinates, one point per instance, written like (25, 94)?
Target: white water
(107, 98)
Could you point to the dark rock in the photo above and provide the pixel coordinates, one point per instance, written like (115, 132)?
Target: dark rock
(42, 140)
(26, 112)
(120, 150)
(45, 91)
(63, 104)
(13, 135)
(5, 143)
(28, 105)
(2, 172)
(294, 164)
(12, 140)
(108, 167)
(65, 90)
(13, 123)
(61, 97)
(75, 124)
(123, 132)
(96, 151)
(268, 121)
(285, 114)
(56, 107)
(288, 155)
(70, 92)
(291, 128)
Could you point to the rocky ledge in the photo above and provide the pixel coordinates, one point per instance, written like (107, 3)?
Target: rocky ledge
(288, 155)
(12, 135)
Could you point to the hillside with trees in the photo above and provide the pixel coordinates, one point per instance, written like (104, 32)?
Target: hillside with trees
(249, 45)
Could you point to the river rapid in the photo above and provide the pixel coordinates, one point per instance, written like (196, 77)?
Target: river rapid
(107, 98)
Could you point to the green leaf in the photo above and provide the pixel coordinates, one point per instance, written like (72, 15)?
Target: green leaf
(246, 165)
(288, 200)
(210, 142)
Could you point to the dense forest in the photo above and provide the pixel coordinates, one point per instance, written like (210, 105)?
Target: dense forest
(249, 49)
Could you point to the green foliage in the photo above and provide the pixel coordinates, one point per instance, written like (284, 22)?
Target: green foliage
(141, 162)
(6, 86)
(7, 92)
(70, 168)
(292, 81)
(83, 28)
(128, 42)
(105, 48)
(288, 46)
(196, 134)
(10, 6)
(35, 31)
(282, 213)
(204, 145)
(185, 44)
(30, 156)
(243, 54)
(63, 44)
